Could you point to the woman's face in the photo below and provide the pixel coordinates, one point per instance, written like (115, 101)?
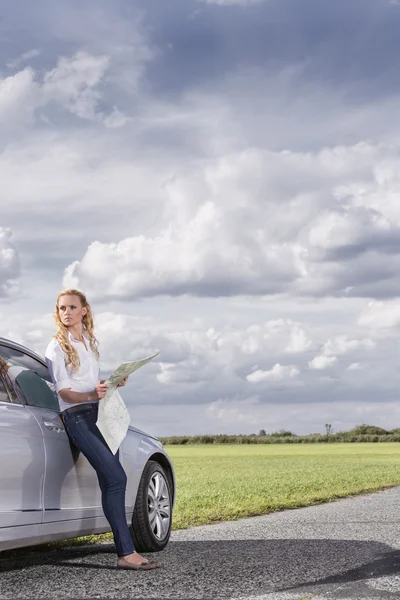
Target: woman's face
(70, 310)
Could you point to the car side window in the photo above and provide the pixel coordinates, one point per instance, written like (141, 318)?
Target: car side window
(28, 379)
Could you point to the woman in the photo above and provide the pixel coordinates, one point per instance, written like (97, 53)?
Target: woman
(73, 360)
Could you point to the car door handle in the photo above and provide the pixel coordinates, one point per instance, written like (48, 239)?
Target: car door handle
(53, 426)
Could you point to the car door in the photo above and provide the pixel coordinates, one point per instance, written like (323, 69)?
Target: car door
(71, 489)
(22, 464)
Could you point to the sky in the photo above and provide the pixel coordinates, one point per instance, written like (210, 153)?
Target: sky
(221, 178)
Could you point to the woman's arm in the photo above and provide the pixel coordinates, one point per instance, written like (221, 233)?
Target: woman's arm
(76, 397)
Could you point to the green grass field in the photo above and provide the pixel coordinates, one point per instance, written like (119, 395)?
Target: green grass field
(216, 483)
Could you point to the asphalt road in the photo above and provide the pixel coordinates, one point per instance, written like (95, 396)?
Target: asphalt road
(343, 550)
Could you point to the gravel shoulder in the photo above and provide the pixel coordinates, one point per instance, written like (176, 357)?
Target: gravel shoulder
(349, 549)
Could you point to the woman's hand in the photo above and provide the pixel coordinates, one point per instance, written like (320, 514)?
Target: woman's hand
(123, 382)
(101, 390)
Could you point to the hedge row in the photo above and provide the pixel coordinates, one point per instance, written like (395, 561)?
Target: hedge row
(271, 439)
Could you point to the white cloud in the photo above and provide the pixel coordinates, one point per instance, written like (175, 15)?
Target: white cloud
(74, 175)
(26, 56)
(381, 314)
(335, 230)
(355, 367)
(255, 223)
(116, 119)
(74, 83)
(9, 265)
(19, 96)
(322, 362)
(237, 413)
(299, 342)
(277, 373)
(280, 335)
(283, 335)
(341, 344)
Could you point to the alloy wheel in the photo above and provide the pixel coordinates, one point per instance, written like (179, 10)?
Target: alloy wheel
(159, 505)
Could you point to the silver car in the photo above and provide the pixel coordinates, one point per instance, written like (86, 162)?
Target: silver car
(48, 490)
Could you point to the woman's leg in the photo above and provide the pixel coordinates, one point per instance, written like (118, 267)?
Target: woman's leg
(81, 427)
(111, 494)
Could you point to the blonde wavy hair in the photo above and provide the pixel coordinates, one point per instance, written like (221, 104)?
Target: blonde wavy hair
(3, 367)
(62, 331)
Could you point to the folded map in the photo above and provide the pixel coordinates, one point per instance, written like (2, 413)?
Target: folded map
(113, 418)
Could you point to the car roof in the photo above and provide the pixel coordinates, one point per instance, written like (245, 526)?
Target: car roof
(16, 346)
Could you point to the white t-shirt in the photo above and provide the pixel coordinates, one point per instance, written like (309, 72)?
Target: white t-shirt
(83, 380)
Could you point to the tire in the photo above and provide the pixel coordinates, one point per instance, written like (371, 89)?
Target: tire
(151, 525)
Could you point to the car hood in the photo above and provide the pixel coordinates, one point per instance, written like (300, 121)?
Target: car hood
(136, 430)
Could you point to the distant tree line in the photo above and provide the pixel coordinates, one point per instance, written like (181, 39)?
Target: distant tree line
(360, 433)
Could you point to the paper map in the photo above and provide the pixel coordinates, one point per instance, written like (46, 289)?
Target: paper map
(113, 418)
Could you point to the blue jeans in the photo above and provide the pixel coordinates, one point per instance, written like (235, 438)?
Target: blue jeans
(84, 433)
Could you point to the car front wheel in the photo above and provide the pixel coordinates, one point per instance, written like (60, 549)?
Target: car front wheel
(152, 516)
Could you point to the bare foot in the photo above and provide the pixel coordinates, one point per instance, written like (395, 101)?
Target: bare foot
(136, 559)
